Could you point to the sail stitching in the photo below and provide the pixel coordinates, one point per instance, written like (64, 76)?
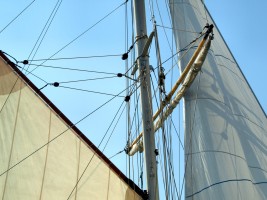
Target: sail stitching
(94, 153)
(190, 140)
(78, 168)
(226, 181)
(232, 113)
(46, 155)
(13, 137)
(228, 153)
(56, 137)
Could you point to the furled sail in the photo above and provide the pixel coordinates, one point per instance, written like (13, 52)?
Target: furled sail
(225, 127)
(43, 155)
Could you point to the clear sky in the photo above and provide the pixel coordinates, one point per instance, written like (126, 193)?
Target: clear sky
(242, 23)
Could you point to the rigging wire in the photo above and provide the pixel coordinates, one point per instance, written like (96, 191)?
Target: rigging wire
(190, 139)
(116, 154)
(81, 70)
(71, 58)
(178, 134)
(186, 49)
(163, 132)
(206, 15)
(128, 158)
(114, 128)
(7, 98)
(172, 187)
(127, 82)
(175, 29)
(89, 79)
(60, 134)
(81, 34)
(23, 69)
(75, 69)
(98, 148)
(17, 16)
(8, 95)
(161, 19)
(111, 125)
(45, 30)
(90, 91)
(135, 116)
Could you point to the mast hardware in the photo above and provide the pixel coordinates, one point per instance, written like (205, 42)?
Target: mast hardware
(145, 50)
(187, 77)
(125, 55)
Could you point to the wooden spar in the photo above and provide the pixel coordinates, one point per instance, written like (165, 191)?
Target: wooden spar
(181, 78)
(198, 57)
(186, 84)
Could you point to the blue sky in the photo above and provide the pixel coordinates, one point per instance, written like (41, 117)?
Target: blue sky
(242, 24)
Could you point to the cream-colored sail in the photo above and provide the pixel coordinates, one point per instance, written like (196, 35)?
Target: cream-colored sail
(225, 127)
(42, 156)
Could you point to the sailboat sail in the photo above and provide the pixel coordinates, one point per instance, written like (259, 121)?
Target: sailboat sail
(225, 127)
(43, 155)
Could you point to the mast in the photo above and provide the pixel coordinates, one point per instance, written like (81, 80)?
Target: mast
(146, 102)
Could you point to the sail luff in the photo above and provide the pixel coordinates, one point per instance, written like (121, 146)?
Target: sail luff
(59, 121)
(235, 60)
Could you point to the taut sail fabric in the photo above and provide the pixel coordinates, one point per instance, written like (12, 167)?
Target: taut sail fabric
(226, 128)
(40, 169)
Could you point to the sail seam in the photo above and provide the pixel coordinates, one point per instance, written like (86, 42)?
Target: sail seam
(46, 157)
(13, 138)
(232, 72)
(190, 146)
(189, 4)
(219, 55)
(226, 181)
(229, 153)
(78, 168)
(234, 114)
(71, 126)
(227, 47)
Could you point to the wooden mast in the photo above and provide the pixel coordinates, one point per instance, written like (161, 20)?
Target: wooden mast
(146, 101)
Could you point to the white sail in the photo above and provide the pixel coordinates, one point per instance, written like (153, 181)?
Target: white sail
(225, 127)
(43, 155)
